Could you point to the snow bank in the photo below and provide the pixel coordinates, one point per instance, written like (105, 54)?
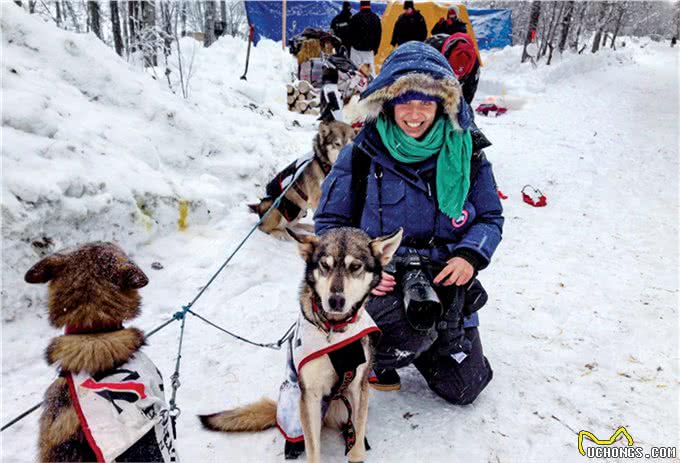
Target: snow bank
(95, 149)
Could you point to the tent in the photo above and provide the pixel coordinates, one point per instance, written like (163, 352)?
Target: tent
(431, 11)
(490, 28)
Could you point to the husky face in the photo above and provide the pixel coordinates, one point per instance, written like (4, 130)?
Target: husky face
(330, 139)
(343, 265)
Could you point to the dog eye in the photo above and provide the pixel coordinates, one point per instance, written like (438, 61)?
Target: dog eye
(324, 266)
(354, 267)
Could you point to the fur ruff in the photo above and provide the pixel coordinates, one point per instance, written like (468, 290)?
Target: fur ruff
(94, 353)
(448, 90)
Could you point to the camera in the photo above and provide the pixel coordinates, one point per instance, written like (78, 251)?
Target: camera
(422, 305)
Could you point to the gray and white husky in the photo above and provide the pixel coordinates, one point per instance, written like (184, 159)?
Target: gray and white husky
(342, 267)
(306, 192)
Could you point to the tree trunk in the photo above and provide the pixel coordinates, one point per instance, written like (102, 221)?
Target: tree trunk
(533, 23)
(124, 29)
(115, 27)
(619, 21)
(604, 17)
(94, 18)
(133, 25)
(209, 33)
(31, 6)
(166, 16)
(58, 17)
(547, 33)
(148, 32)
(566, 24)
(580, 26)
(183, 17)
(18, 2)
(74, 19)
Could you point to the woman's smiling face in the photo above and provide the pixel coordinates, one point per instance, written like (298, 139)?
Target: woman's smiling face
(415, 117)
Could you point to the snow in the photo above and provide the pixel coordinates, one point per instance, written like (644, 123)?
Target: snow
(581, 327)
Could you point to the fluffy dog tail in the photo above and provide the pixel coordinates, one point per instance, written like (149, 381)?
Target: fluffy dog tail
(257, 416)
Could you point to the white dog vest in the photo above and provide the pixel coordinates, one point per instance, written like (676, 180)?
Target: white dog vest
(308, 343)
(123, 412)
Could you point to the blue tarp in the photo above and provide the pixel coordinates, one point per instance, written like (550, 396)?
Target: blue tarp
(493, 28)
(266, 16)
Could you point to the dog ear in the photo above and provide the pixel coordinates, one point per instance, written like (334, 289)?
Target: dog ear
(384, 247)
(307, 244)
(132, 277)
(46, 269)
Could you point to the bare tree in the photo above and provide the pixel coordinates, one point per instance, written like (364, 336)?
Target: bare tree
(606, 9)
(72, 13)
(58, 19)
(566, 24)
(581, 22)
(124, 29)
(209, 32)
(183, 15)
(619, 22)
(235, 20)
(533, 24)
(94, 18)
(552, 27)
(115, 27)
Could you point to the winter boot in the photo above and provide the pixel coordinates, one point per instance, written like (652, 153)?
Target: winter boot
(385, 380)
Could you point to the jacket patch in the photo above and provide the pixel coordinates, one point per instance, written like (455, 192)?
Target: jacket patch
(460, 221)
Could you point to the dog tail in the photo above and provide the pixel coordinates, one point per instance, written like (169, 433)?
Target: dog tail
(257, 416)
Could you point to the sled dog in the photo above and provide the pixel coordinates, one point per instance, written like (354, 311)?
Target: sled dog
(107, 403)
(331, 349)
(306, 192)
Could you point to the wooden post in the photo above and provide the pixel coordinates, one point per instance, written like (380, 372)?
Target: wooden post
(283, 24)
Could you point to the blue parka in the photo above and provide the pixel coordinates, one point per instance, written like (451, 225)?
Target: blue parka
(402, 195)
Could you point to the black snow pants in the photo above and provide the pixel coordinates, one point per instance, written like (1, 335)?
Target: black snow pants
(449, 357)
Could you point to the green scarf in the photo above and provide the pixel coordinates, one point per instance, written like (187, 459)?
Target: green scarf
(453, 164)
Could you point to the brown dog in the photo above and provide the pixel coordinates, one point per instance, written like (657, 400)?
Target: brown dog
(306, 192)
(104, 379)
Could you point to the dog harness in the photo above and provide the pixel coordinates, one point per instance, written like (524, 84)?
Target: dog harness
(123, 412)
(288, 208)
(346, 354)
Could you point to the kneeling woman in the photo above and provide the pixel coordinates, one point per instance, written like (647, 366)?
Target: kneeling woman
(417, 164)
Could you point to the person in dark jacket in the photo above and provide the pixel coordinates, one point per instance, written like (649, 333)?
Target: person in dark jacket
(424, 171)
(365, 31)
(450, 25)
(461, 54)
(409, 26)
(340, 25)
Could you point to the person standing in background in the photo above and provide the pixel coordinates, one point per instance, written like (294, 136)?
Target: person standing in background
(365, 31)
(340, 25)
(409, 26)
(450, 25)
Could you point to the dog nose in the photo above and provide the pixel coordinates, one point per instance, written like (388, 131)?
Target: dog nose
(336, 302)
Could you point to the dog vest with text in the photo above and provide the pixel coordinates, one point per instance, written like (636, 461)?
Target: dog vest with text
(123, 412)
(308, 343)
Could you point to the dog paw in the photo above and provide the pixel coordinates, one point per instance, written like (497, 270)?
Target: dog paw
(292, 450)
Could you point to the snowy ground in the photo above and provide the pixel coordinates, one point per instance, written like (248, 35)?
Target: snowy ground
(581, 327)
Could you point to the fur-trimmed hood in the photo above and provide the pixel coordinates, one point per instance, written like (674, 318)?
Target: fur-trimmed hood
(416, 66)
